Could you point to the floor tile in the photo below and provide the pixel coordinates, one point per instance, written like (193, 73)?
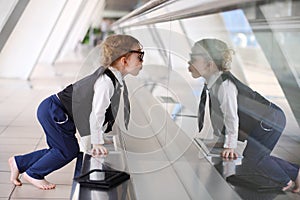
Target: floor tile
(19, 141)
(21, 149)
(5, 178)
(61, 178)
(31, 192)
(4, 166)
(2, 128)
(5, 190)
(22, 132)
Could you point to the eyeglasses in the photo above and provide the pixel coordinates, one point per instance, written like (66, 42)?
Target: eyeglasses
(140, 56)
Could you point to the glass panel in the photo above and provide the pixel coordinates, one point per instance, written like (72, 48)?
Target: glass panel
(265, 40)
(168, 45)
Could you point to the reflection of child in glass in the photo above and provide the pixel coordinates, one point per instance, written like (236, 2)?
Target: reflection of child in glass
(90, 105)
(239, 113)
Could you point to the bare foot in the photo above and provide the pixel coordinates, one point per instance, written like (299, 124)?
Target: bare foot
(290, 183)
(41, 184)
(297, 184)
(14, 172)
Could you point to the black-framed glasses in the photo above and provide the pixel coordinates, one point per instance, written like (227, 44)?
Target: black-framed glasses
(141, 54)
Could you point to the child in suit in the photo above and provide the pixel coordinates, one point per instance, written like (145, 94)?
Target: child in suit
(90, 105)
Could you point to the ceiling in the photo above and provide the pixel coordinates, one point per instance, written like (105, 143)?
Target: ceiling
(119, 8)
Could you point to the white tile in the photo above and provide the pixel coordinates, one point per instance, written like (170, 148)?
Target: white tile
(6, 120)
(5, 190)
(8, 148)
(2, 129)
(61, 178)
(23, 132)
(5, 178)
(18, 141)
(20, 131)
(31, 192)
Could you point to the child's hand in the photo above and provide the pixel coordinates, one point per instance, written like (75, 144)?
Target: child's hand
(229, 153)
(98, 149)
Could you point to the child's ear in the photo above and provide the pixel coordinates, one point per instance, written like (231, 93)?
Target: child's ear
(123, 60)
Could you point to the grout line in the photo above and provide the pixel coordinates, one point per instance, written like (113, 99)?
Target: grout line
(14, 188)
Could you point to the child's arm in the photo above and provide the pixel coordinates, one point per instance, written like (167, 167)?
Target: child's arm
(228, 100)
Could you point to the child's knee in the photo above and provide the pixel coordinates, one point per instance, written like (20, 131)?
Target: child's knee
(73, 153)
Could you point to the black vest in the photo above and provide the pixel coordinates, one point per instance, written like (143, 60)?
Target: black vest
(252, 107)
(77, 98)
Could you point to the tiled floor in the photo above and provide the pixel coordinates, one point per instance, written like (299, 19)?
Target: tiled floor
(20, 131)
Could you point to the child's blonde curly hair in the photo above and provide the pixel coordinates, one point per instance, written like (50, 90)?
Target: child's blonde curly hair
(215, 50)
(115, 46)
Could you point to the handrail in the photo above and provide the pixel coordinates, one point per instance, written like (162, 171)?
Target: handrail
(148, 6)
(164, 10)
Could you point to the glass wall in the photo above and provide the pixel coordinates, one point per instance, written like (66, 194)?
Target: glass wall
(265, 37)
(248, 30)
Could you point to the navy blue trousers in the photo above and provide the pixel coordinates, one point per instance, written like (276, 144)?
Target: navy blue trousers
(261, 142)
(60, 136)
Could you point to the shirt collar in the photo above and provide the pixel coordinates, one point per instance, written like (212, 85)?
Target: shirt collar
(212, 79)
(117, 74)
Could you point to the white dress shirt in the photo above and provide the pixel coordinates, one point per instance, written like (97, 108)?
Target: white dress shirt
(103, 91)
(227, 96)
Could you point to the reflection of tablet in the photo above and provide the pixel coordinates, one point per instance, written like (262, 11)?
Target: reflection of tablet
(103, 179)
